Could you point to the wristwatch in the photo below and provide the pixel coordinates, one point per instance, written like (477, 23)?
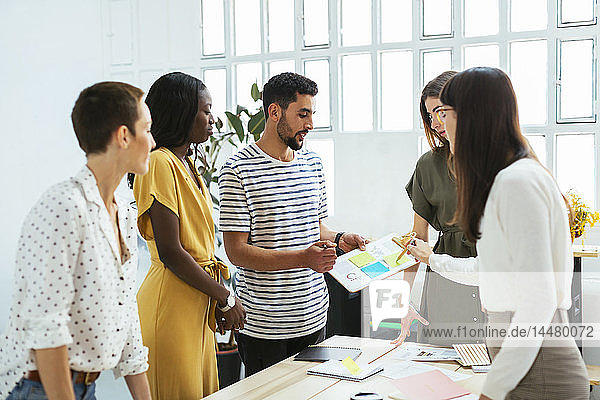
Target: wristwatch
(229, 304)
(338, 250)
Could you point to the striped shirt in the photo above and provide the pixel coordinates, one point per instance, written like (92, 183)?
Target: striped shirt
(279, 204)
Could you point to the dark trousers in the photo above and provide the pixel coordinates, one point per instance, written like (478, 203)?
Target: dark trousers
(258, 354)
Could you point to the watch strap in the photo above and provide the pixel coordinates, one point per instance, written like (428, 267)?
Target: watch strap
(338, 250)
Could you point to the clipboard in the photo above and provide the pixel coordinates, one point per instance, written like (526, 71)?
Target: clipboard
(383, 258)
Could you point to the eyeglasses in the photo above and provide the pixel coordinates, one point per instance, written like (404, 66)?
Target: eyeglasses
(440, 114)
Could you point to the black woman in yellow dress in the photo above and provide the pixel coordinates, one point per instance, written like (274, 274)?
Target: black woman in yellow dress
(182, 292)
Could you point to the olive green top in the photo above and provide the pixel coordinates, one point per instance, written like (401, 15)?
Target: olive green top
(444, 303)
(432, 191)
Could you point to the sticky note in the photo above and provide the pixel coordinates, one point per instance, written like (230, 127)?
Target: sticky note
(351, 366)
(375, 270)
(391, 259)
(361, 259)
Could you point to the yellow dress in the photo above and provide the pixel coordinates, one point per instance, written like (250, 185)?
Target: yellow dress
(177, 320)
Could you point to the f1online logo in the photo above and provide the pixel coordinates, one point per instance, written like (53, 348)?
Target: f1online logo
(388, 299)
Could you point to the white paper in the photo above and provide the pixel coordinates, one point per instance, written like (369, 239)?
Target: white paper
(411, 351)
(395, 369)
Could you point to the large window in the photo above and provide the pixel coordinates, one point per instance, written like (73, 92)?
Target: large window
(371, 59)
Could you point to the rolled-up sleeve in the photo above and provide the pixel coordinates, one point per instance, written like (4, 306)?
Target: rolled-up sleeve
(134, 358)
(46, 255)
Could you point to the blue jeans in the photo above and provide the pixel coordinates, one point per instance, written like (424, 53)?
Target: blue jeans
(32, 390)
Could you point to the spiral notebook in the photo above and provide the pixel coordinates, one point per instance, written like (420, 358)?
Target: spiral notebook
(335, 369)
(326, 353)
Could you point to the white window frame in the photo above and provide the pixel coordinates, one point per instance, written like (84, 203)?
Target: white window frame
(455, 41)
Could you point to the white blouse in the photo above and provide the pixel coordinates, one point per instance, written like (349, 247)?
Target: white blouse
(72, 287)
(524, 263)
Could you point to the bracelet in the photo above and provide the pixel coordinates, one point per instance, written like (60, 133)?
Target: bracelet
(338, 251)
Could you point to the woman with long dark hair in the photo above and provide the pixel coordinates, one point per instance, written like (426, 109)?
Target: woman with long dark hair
(182, 297)
(512, 207)
(432, 192)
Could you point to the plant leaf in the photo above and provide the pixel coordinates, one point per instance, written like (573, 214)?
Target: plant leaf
(256, 125)
(219, 124)
(236, 123)
(239, 109)
(255, 93)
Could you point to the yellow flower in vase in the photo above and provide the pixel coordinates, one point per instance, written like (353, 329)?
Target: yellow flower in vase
(581, 215)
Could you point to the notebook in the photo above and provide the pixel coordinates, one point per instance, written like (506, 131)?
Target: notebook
(335, 369)
(325, 353)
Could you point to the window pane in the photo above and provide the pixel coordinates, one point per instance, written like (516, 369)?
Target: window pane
(216, 82)
(396, 21)
(277, 67)
(575, 165)
(437, 17)
(576, 79)
(528, 15)
(357, 88)
(538, 144)
(434, 63)
(316, 22)
(326, 150)
(528, 72)
(213, 27)
(318, 71)
(356, 22)
(481, 17)
(573, 11)
(247, 74)
(397, 90)
(247, 27)
(281, 25)
(482, 56)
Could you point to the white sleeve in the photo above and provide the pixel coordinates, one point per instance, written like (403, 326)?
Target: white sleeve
(460, 270)
(46, 257)
(523, 215)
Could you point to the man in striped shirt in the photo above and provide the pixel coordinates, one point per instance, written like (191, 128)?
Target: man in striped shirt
(273, 202)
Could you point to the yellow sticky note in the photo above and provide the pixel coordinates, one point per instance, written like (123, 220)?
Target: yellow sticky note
(351, 366)
(392, 259)
(362, 259)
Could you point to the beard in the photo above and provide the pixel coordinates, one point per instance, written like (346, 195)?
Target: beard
(286, 135)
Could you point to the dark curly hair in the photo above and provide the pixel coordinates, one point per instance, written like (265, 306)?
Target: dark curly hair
(283, 89)
(173, 102)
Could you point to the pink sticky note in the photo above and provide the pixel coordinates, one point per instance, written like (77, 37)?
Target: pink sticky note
(431, 385)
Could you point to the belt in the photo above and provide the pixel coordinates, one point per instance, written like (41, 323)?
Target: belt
(86, 378)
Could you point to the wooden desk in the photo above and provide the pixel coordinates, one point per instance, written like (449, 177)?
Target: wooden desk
(287, 380)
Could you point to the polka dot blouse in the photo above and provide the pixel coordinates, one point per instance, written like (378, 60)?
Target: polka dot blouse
(72, 287)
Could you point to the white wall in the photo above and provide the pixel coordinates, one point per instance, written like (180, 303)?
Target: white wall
(50, 50)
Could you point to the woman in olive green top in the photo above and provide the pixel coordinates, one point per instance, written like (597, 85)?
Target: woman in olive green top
(432, 191)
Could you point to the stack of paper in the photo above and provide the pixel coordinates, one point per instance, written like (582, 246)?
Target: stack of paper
(395, 369)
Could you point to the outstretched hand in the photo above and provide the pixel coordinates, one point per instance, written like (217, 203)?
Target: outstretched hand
(406, 322)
